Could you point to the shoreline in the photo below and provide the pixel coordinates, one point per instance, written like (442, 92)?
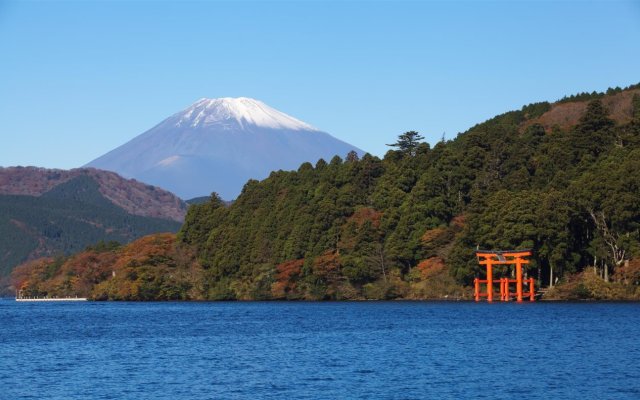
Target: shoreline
(83, 299)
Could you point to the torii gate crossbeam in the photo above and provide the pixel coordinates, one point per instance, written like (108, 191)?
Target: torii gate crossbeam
(509, 257)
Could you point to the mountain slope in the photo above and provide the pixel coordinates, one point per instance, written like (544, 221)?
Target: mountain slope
(219, 144)
(565, 114)
(135, 197)
(66, 219)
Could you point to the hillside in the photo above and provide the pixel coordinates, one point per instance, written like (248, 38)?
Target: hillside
(567, 112)
(216, 145)
(370, 228)
(407, 225)
(134, 197)
(64, 220)
(151, 268)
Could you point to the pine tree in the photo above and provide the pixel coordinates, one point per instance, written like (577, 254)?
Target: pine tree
(408, 142)
(352, 156)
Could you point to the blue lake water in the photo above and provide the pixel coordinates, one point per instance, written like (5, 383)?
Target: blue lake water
(276, 350)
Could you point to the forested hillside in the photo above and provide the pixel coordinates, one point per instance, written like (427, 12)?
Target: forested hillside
(65, 220)
(150, 268)
(407, 225)
(377, 228)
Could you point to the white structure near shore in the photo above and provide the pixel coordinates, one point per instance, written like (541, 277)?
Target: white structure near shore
(52, 299)
(20, 297)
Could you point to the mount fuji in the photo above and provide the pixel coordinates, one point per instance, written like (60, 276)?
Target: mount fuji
(219, 144)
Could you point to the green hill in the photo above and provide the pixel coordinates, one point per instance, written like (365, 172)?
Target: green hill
(65, 220)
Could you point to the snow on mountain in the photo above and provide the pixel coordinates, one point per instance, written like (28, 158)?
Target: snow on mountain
(242, 110)
(219, 144)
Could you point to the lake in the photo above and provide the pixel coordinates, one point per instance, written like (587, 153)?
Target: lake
(281, 350)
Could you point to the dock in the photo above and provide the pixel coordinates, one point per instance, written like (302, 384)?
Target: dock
(33, 299)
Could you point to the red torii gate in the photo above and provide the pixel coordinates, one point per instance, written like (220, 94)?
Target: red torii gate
(507, 257)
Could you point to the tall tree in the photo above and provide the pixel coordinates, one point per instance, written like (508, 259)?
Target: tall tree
(352, 156)
(408, 142)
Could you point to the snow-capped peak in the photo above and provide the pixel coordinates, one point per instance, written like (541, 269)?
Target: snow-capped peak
(243, 110)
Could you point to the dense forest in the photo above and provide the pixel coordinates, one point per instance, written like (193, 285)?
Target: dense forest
(407, 225)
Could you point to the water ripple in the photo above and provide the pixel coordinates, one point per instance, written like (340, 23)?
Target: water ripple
(395, 350)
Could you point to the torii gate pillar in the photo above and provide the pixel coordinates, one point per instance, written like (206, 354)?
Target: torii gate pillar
(491, 258)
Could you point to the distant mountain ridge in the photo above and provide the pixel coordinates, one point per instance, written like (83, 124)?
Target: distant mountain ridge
(47, 212)
(217, 145)
(134, 197)
(66, 219)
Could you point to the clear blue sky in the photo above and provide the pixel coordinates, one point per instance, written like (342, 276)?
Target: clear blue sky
(78, 79)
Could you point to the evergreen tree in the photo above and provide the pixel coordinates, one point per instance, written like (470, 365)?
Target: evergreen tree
(352, 156)
(408, 143)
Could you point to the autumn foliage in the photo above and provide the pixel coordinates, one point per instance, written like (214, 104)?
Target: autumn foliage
(366, 214)
(433, 234)
(287, 275)
(629, 273)
(151, 268)
(430, 267)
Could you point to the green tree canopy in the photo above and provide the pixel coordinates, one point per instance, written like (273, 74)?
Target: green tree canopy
(408, 142)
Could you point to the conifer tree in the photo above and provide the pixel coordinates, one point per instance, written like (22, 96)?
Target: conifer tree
(408, 142)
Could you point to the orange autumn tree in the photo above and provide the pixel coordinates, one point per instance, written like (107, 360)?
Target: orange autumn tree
(28, 277)
(287, 275)
(430, 267)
